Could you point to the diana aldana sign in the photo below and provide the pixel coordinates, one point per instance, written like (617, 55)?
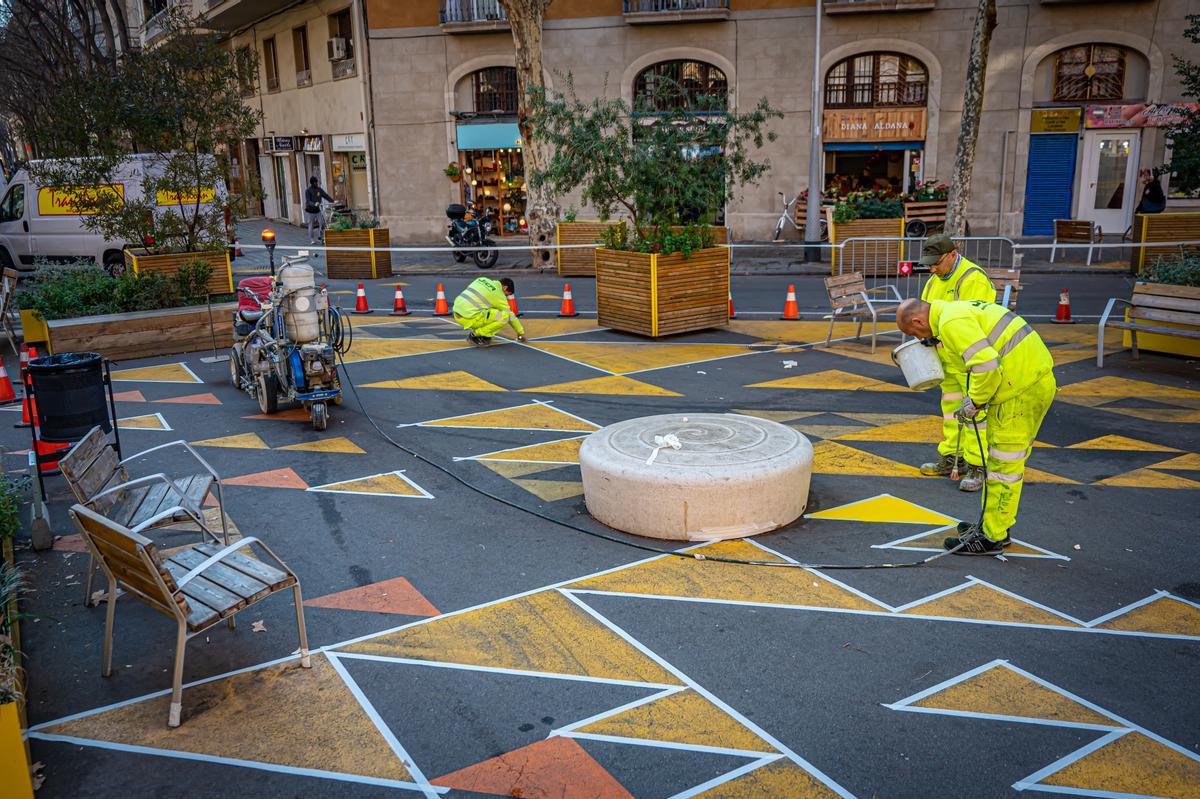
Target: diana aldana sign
(874, 124)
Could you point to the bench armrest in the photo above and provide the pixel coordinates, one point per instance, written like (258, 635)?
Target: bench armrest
(170, 513)
(180, 443)
(150, 478)
(887, 287)
(1108, 310)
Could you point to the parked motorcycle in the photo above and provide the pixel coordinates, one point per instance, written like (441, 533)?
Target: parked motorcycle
(472, 233)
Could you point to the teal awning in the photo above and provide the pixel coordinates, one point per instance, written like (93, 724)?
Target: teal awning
(491, 136)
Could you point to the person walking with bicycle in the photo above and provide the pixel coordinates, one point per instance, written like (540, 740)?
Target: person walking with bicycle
(312, 210)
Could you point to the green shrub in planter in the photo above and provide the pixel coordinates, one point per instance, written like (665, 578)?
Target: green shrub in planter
(74, 290)
(868, 205)
(1179, 270)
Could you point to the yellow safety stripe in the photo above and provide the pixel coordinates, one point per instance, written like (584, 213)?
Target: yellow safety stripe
(1007, 454)
(986, 366)
(959, 282)
(1016, 339)
(955, 395)
(976, 348)
(476, 299)
(1004, 478)
(998, 329)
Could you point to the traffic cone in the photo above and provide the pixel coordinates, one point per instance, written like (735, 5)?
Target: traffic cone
(7, 394)
(440, 306)
(512, 305)
(28, 408)
(237, 249)
(1063, 315)
(360, 302)
(732, 315)
(44, 449)
(790, 309)
(568, 303)
(399, 306)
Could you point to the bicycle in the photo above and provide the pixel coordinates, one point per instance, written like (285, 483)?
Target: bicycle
(789, 217)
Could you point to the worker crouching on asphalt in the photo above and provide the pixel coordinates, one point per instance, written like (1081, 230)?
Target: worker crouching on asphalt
(953, 277)
(1010, 371)
(483, 310)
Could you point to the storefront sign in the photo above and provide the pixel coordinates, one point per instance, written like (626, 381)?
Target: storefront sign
(68, 201)
(1055, 120)
(1137, 115)
(164, 198)
(284, 143)
(347, 142)
(874, 124)
(358, 162)
(313, 144)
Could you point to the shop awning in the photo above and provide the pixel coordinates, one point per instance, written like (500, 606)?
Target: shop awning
(491, 136)
(877, 145)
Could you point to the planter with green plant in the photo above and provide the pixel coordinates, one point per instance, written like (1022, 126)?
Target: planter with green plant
(453, 171)
(352, 230)
(869, 215)
(1174, 277)
(669, 164)
(15, 778)
(133, 315)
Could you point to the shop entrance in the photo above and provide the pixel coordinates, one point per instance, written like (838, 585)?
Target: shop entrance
(495, 179)
(895, 169)
(1108, 178)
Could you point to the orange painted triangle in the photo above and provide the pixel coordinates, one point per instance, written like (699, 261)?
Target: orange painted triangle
(194, 399)
(276, 478)
(129, 396)
(556, 768)
(290, 415)
(388, 596)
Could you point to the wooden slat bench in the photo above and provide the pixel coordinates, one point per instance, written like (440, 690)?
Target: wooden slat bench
(921, 217)
(1008, 284)
(1075, 231)
(198, 586)
(98, 478)
(1152, 305)
(848, 292)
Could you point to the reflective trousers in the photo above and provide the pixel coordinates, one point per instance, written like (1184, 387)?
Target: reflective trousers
(1012, 427)
(485, 323)
(953, 388)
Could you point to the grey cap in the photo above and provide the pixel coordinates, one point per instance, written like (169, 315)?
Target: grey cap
(934, 248)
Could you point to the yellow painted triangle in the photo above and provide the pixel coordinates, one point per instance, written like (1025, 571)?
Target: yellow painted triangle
(830, 457)
(542, 632)
(1121, 443)
(1038, 476)
(670, 576)
(527, 417)
(933, 543)
(239, 441)
(779, 416)
(831, 380)
(446, 381)
(880, 419)
(825, 430)
(374, 349)
(1121, 387)
(338, 444)
(1000, 691)
(149, 421)
(1188, 463)
(1132, 765)
(984, 602)
(552, 490)
(778, 778)
(1148, 478)
(390, 484)
(545, 328)
(551, 452)
(622, 358)
(1165, 615)
(885, 508)
(511, 469)
(923, 429)
(615, 385)
(165, 373)
(685, 718)
(1174, 415)
(314, 722)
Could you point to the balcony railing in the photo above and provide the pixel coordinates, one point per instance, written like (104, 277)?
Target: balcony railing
(468, 11)
(656, 11)
(868, 6)
(303, 77)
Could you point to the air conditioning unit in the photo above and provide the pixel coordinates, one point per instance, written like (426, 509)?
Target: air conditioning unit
(338, 48)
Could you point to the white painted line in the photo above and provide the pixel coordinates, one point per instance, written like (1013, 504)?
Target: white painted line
(186, 368)
(1058, 765)
(530, 404)
(954, 589)
(817, 573)
(1047, 608)
(1132, 606)
(383, 728)
(616, 711)
(718, 781)
(970, 714)
(656, 744)
(488, 455)
(398, 473)
(872, 521)
(530, 345)
(166, 428)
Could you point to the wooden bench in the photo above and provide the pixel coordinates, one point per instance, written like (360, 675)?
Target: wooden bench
(197, 586)
(849, 298)
(919, 217)
(1075, 231)
(8, 287)
(1152, 305)
(97, 477)
(1007, 283)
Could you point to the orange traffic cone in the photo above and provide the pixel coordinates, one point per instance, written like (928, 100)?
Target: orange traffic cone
(568, 303)
(399, 306)
(28, 408)
(790, 309)
(732, 315)
(440, 306)
(1063, 315)
(360, 302)
(512, 305)
(7, 394)
(237, 249)
(44, 449)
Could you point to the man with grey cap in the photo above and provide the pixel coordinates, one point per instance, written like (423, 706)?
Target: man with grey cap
(953, 277)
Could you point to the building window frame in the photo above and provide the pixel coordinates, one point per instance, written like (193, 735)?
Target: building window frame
(301, 53)
(341, 25)
(271, 63)
(878, 79)
(1080, 77)
(695, 78)
(495, 90)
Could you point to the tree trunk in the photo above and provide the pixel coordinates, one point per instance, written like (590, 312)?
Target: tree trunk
(541, 206)
(968, 134)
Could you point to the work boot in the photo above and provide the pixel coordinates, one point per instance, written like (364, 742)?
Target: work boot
(942, 466)
(971, 540)
(963, 527)
(478, 341)
(972, 479)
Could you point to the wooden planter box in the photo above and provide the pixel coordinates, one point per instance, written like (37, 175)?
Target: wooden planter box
(220, 280)
(355, 265)
(661, 295)
(14, 764)
(33, 327)
(581, 261)
(1161, 227)
(872, 258)
(142, 334)
(1171, 345)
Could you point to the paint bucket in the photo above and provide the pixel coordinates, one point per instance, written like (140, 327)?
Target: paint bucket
(920, 364)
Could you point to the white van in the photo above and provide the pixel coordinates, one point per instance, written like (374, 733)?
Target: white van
(43, 223)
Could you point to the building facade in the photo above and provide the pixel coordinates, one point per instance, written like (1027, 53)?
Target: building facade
(1076, 98)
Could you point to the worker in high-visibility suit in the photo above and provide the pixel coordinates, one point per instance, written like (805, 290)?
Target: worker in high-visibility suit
(483, 309)
(953, 277)
(1010, 371)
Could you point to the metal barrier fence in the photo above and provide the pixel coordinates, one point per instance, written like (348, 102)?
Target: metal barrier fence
(879, 258)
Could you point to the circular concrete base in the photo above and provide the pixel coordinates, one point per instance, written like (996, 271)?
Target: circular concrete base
(732, 476)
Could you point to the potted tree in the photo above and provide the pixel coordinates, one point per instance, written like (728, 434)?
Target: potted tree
(669, 164)
(161, 122)
(351, 230)
(867, 214)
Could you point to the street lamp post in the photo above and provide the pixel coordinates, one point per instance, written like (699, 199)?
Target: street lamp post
(816, 169)
(268, 238)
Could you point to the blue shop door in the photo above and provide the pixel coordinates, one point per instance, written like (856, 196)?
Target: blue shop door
(1050, 181)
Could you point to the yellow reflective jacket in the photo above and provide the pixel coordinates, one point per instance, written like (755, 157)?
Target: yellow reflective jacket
(966, 281)
(482, 294)
(1002, 353)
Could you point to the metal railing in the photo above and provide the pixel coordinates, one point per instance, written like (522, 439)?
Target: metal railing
(661, 6)
(879, 258)
(472, 11)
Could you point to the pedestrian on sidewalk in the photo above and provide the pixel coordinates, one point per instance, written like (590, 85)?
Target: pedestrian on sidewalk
(312, 210)
(483, 309)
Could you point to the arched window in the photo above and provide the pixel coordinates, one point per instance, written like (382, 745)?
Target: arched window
(681, 84)
(876, 79)
(495, 90)
(1089, 72)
